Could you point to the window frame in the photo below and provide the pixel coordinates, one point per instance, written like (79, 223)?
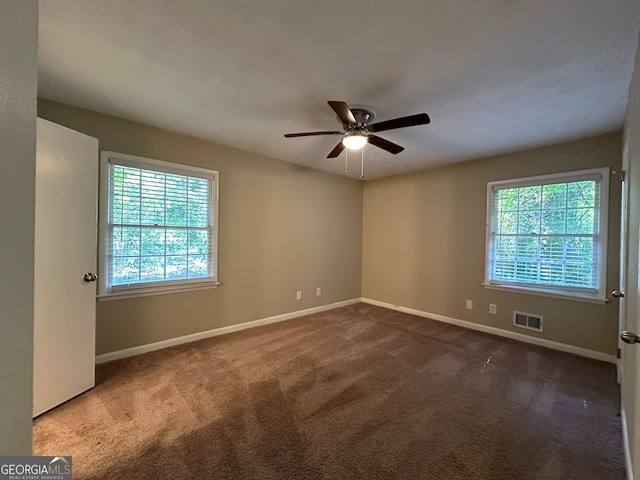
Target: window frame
(599, 293)
(107, 292)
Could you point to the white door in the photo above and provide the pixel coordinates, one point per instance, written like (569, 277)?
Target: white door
(624, 259)
(629, 321)
(65, 250)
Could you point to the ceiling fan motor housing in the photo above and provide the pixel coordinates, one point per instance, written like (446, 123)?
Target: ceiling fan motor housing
(363, 116)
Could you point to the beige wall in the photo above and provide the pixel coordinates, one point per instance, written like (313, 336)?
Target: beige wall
(424, 243)
(18, 64)
(631, 353)
(283, 228)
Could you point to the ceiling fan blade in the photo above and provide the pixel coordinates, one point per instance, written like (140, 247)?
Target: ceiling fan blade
(311, 134)
(410, 121)
(343, 111)
(385, 144)
(336, 151)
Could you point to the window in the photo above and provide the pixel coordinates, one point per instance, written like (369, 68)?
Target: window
(548, 234)
(158, 226)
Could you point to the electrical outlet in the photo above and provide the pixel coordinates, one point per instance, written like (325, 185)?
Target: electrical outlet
(493, 308)
(318, 292)
(298, 295)
(469, 304)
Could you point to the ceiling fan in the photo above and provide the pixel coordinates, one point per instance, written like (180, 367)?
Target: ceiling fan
(358, 130)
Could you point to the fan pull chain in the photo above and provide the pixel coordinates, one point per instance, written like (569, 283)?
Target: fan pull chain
(346, 160)
(362, 162)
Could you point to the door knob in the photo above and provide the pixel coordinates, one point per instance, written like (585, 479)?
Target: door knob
(629, 337)
(617, 294)
(90, 277)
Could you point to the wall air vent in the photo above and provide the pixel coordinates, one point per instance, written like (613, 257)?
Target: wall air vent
(530, 321)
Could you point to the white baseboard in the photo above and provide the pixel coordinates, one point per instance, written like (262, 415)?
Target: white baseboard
(625, 444)
(150, 347)
(584, 352)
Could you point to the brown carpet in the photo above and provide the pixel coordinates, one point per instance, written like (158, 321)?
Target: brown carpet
(358, 392)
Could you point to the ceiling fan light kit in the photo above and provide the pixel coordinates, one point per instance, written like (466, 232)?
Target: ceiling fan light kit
(358, 131)
(354, 141)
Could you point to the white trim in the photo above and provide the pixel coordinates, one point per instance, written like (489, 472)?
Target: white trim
(150, 347)
(159, 165)
(583, 352)
(602, 176)
(546, 293)
(625, 444)
(149, 292)
(138, 290)
(550, 178)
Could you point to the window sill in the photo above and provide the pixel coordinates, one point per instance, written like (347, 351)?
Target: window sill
(148, 292)
(548, 293)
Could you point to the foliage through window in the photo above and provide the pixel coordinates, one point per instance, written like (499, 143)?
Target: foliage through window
(549, 233)
(158, 224)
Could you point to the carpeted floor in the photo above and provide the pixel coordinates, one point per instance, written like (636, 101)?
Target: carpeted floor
(358, 392)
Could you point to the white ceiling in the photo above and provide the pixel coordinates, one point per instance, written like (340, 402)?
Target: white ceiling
(494, 75)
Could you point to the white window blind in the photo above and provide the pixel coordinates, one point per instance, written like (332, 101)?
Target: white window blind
(160, 226)
(549, 232)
